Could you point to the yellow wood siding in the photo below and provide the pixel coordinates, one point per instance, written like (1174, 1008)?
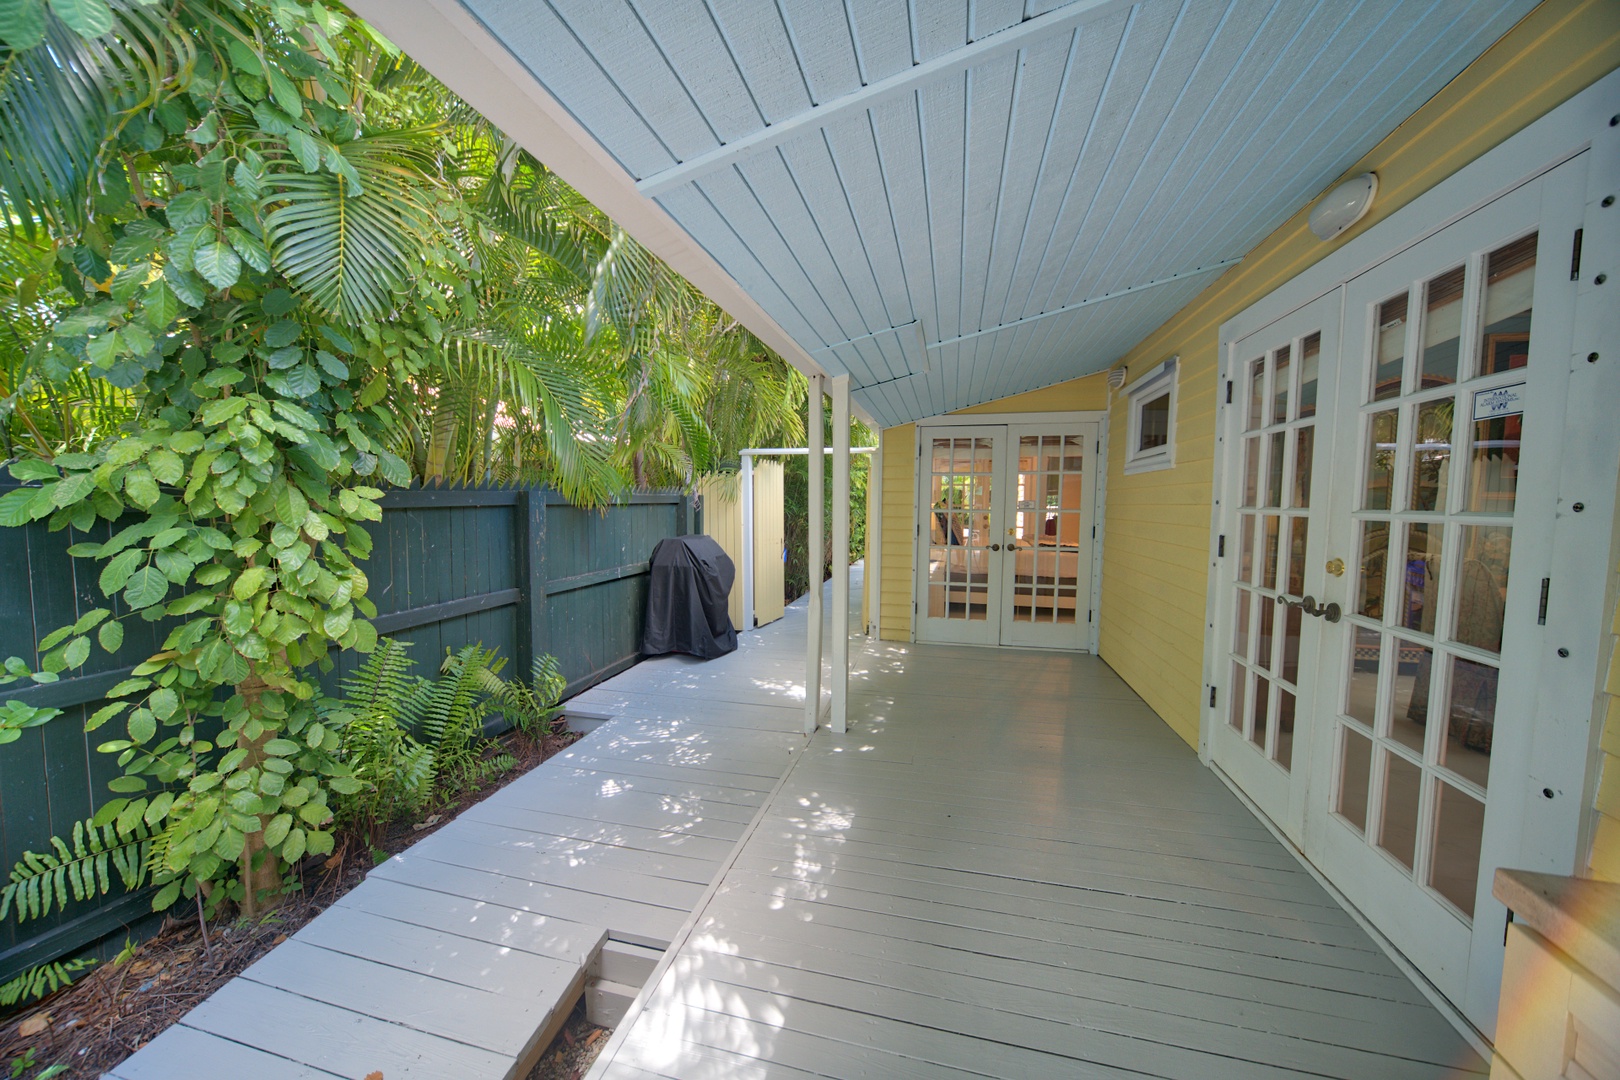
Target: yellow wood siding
(1156, 539)
(722, 519)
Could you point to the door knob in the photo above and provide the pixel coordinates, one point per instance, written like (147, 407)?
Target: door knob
(1309, 606)
(1336, 567)
(995, 547)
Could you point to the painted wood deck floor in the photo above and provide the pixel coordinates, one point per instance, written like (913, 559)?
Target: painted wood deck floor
(457, 959)
(1011, 868)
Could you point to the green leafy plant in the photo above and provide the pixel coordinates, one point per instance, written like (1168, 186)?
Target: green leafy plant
(37, 982)
(380, 708)
(82, 867)
(453, 712)
(531, 707)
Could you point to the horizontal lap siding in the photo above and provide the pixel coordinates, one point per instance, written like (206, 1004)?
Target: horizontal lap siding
(899, 524)
(1156, 549)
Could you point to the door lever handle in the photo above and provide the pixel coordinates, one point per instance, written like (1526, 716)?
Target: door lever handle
(1309, 606)
(995, 547)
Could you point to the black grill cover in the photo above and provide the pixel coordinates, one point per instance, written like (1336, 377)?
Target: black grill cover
(686, 600)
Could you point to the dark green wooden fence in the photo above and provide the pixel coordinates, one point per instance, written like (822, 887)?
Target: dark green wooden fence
(520, 570)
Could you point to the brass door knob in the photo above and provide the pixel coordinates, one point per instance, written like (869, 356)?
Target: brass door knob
(1336, 567)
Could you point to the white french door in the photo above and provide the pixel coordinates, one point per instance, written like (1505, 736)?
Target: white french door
(1277, 434)
(1006, 534)
(1387, 726)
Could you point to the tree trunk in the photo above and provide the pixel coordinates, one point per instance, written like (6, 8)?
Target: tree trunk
(261, 878)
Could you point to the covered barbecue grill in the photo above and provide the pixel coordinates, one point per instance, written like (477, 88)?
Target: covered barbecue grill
(691, 579)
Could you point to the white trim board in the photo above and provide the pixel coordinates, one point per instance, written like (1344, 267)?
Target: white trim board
(1544, 144)
(1087, 416)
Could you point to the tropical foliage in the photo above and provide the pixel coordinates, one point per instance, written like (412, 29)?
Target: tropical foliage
(257, 264)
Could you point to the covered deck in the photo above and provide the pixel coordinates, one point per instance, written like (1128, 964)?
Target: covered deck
(1010, 867)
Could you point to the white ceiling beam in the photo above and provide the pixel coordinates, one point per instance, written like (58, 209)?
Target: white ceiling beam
(448, 41)
(1061, 20)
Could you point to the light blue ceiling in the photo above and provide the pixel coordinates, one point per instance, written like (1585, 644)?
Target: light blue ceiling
(958, 201)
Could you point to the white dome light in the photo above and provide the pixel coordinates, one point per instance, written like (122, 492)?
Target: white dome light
(1343, 206)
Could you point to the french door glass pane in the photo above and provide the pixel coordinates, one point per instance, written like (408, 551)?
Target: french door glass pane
(1299, 527)
(1246, 551)
(1470, 720)
(1257, 733)
(1292, 618)
(1285, 729)
(1380, 460)
(1397, 824)
(1482, 585)
(1268, 563)
(1239, 678)
(1510, 279)
(1431, 456)
(1493, 467)
(1421, 585)
(1251, 471)
(1370, 572)
(1274, 472)
(1240, 628)
(1355, 767)
(1310, 362)
(1409, 711)
(1442, 329)
(1304, 448)
(1267, 625)
(1391, 348)
(1365, 648)
(1279, 387)
(1459, 827)
(1257, 394)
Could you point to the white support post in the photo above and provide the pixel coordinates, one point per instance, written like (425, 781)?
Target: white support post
(747, 568)
(874, 542)
(840, 554)
(813, 558)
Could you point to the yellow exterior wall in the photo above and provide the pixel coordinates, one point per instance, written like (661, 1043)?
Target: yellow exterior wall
(900, 486)
(1157, 524)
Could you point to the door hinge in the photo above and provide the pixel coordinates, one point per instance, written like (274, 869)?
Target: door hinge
(1094, 532)
(1097, 447)
(1088, 614)
(1220, 547)
(919, 528)
(1212, 697)
(1575, 257)
(1541, 615)
(1229, 391)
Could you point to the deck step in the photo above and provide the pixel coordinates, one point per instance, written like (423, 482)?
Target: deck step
(607, 1002)
(625, 962)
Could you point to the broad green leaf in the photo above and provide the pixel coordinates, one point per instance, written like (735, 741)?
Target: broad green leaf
(297, 383)
(111, 636)
(217, 412)
(278, 302)
(166, 896)
(237, 618)
(32, 468)
(143, 724)
(142, 490)
(161, 306)
(106, 712)
(286, 95)
(249, 583)
(332, 365)
(282, 333)
(292, 848)
(315, 813)
(73, 488)
(87, 18)
(187, 208)
(22, 23)
(146, 587)
(117, 571)
(16, 507)
(243, 58)
(281, 748)
(218, 263)
(248, 246)
(77, 652)
(164, 702)
(186, 442)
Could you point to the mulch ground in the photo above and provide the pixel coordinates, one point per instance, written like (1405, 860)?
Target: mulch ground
(117, 1008)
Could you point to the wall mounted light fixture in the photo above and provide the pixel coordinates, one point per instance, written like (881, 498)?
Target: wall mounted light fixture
(1345, 205)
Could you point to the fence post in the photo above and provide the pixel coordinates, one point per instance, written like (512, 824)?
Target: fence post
(531, 538)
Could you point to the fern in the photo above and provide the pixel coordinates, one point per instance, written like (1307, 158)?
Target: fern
(41, 883)
(532, 708)
(454, 711)
(37, 982)
(381, 706)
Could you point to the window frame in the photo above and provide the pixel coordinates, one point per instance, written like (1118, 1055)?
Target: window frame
(1150, 387)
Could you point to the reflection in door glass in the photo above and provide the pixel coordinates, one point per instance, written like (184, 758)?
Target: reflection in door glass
(1279, 387)
(1510, 280)
(959, 524)
(1310, 362)
(1257, 733)
(1285, 729)
(1355, 766)
(1268, 567)
(1459, 827)
(1240, 627)
(1482, 585)
(1251, 471)
(1234, 717)
(1409, 711)
(1304, 447)
(1274, 472)
(1442, 327)
(1391, 348)
(1370, 571)
(1431, 455)
(1257, 394)
(1493, 467)
(1470, 721)
(1362, 700)
(1266, 628)
(1380, 460)
(1292, 618)
(1246, 551)
(1397, 825)
(1298, 529)
(1421, 583)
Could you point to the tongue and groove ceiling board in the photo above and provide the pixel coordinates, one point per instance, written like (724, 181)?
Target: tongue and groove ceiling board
(953, 202)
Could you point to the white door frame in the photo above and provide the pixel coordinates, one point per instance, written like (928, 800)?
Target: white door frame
(1088, 416)
(1555, 827)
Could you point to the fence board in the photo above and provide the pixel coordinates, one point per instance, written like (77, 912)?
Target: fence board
(450, 567)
